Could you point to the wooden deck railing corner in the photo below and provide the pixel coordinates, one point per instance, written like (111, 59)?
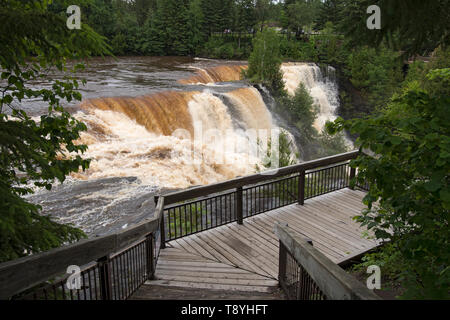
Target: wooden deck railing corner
(307, 274)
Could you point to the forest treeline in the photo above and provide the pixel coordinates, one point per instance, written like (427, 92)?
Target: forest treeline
(193, 27)
(308, 30)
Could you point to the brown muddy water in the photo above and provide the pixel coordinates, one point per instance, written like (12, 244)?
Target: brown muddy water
(145, 116)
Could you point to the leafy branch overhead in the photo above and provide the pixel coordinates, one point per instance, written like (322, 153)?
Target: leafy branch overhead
(38, 152)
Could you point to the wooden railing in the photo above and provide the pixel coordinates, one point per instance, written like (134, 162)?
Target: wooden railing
(114, 266)
(206, 207)
(306, 274)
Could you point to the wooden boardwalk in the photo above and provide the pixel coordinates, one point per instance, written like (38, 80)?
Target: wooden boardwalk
(242, 260)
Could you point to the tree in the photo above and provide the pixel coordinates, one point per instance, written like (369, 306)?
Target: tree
(298, 14)
(37, 152)
(406, 161)
(286, 156)
(265, 61)
(301, 111)
(376, 72)
(195, 25)
(217, 15)
(246, 18)
(262, 11)
(169, 35)
(415, 26)
(142, 9)
(328, 11)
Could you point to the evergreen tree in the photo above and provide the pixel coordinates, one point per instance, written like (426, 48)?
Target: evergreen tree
(414, 26)
(195, 25)
(169, 34)
(328, 11)
(143, 9)
(262, 12)
(217, 15)
(246, 18)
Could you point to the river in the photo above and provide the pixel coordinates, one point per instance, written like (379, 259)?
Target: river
(145, 116)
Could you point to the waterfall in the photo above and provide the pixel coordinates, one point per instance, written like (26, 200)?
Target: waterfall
(322, 89)
(175, 139)
(215, 74)
(156, 137)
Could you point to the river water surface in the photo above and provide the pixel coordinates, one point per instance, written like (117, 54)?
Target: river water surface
(137, 107)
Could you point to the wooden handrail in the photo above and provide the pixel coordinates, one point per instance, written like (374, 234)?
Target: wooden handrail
(24, 273)
(195, 192)
(332, 280)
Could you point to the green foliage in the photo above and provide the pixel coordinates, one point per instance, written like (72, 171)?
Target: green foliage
(196, 19)
(409, 178)
(298, 15)
(418, 71)
(301, 111)
(328, 12)
(393, 266)
(37, 152)
(330, 145)
(286, 157)
(221, 48)
(169, 34)
(414, 26)
(265, 61)
(330, 47)
(298, 50)
(377, 73)
(218, 15)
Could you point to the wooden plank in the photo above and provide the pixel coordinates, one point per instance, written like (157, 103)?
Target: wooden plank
(195, 240)
(212, 269)
(297, 224)
(257, 257)
(348, 234)
(156, 292)
(259, 244)
(225, 274)
(186, 284)
(190, 245)
(218, 280)
(334, 234)
(231, 254)
(321, 242)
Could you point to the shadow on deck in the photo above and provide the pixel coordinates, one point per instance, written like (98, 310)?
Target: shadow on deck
(239, 262)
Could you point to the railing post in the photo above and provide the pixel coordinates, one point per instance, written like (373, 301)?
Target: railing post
(301, 188)
(161, 225)
(149, 256)
(239, 206)
(105, 278)
(352, 175)
(282, 265)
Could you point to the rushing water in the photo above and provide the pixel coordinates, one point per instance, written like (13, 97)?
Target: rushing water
(144, 117)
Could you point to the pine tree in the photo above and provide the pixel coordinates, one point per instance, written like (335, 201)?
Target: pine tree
(169, 32)
(195, 25)
(329, 11)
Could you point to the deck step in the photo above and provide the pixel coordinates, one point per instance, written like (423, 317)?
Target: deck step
(181, 269)
(164, 292)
